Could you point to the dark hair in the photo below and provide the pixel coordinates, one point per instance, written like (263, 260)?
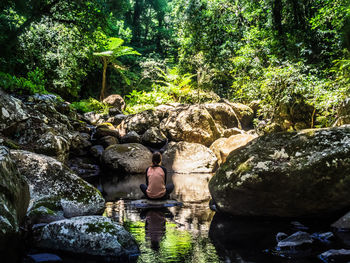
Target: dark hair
(156, 158)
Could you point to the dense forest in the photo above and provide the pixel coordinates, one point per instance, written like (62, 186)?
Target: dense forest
(281, 53)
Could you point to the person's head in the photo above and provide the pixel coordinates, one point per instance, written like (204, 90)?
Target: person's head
(156, 158)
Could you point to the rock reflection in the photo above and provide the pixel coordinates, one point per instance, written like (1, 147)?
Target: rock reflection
(188, 187)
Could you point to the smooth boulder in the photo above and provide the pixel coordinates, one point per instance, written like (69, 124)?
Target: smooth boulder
(54, 186)
(132, 158)
(224, 146)
(286, 175)
(185, 157)
(192, 124)
(88, 235)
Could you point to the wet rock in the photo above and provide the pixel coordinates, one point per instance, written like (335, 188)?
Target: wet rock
(335, 255)
(114, 111)
(132, 158)
(191, 124)
(14, 198)
(89, 235)
(115, 101)
(108, 141)
(43, 258)
(297, 239)
(323, 237)
(84, 168)
(80, 144)
(95, 118)
(154, 138)
(96, 151)
(117, 119)
(286, 175)
(54, 186)
(224, 146)
(106, 130)
(185, 157)
(131, 137)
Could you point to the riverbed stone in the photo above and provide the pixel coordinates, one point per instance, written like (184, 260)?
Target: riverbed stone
(154, 137)
(286, 175)
(185, 157)
(139, 122)
(108, 141)
(55, 186)
(88, 235)
(14, 198)
(343, 223)
(131, 137)
(132, 158)
(192, 124)
(295, 240)
(224, 146)
(224, 116)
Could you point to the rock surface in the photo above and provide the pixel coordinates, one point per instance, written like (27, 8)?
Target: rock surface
(224, 146)
(89, 235)
(115, 101)
(343, 223)
(53, 186)
(185, 157)
(132, 158)
(14, 197)
(286, 175)
(191, 124)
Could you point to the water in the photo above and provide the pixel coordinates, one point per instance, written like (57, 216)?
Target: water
(194, 233)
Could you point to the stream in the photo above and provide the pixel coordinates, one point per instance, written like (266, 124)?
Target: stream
(194, 233)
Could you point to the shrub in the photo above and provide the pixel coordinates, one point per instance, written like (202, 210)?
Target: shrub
(90, 104)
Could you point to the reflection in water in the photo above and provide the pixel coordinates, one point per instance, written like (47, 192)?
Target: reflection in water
(154, 226)
(192, 233)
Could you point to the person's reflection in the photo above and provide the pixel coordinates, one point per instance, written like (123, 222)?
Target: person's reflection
(155, 225)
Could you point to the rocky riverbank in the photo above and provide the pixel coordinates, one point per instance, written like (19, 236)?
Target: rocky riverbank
(52, 159)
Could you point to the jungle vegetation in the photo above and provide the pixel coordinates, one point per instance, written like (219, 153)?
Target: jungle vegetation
(274, 51)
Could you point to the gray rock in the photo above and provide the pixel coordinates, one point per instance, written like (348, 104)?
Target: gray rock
(185, 157)
(108, 141)
(335, 255)
(191, 124)
(54, 186)
(96, 151)
(131, 137)
(139, 122)
(132, 158)
(14, 197)
(343, 223)
(297, 239)
(153, 137)
(115, 101)
(224, 116)
(89, 235)
(286, 175)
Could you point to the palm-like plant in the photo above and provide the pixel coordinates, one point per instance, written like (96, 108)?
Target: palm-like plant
(114, 49)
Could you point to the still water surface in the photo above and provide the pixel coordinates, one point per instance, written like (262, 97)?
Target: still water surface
(194, 233)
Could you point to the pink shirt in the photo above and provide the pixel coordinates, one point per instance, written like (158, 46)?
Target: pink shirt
(156, 182)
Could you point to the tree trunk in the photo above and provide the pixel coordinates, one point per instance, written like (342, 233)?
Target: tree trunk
(102, 94)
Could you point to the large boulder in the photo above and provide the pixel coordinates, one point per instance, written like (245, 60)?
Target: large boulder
(37, 124)
(88, 235)
(224, 116)
(223, 146)
(54, 187)
(14, 198)
(132, 158)
(191, 124)
(153, 137)
(139, 122)
(286, 175)
(185, 157)
(343, 113)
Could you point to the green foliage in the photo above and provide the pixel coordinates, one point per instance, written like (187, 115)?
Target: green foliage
(89, 105)
(33, 83)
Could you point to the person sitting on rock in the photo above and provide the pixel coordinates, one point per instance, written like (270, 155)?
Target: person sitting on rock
(156, 175)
